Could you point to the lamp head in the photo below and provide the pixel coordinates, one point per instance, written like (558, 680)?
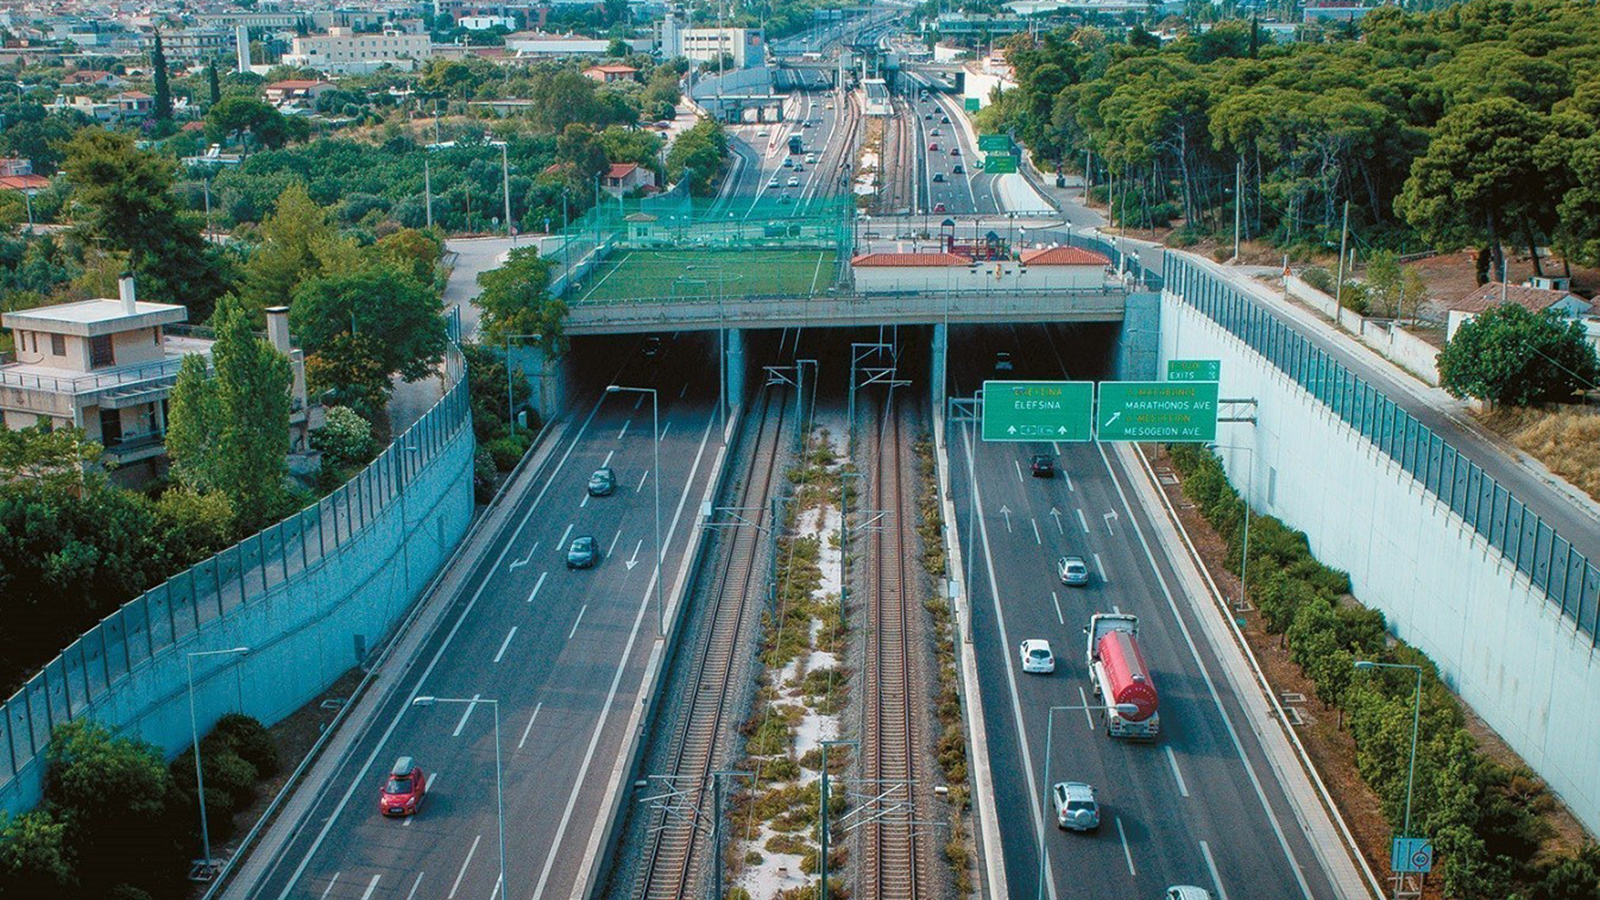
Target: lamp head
(1365, 664)
(424, 701)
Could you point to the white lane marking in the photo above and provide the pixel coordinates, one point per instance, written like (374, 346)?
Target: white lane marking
(609, 454)
(625, 427)
(331, 882)
(1127, 852)
(1110, 518)
(1083, 701)
(1018, 464)
(1011, 671)
(1057, 601)
(464, 862)
(564, 535)
(1116, 609)
(664, 429)
(432, 777)
(638, 400)
(1069, 480)
(684, 390)
(576, 621)
(585, 501)
(641, 481)
(506, 643)
(372, 885)
(1211, 687)
(1099, 567)
(539, 584)
(519, 563)
(465, 714)
(1205, 850)
(1082, 521)
(1056, 446)
(1036, 538)
(616, 676)
(360, 780)
(1172, 759)
(414, 885)
(614, 538)
(531, 719)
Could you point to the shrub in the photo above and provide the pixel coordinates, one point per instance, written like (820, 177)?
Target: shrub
(345, 438)
(507, 451)
(250, 739)
(1318, 277)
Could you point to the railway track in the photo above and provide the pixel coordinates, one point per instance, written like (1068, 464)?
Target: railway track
(894, 856)
(678, 849)
(898, 166)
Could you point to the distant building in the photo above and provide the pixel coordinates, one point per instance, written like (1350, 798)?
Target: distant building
(295, 92)
(197, 44)
(93, 78)
(611, 73)
(624, 177)
(343, 51)
(108, 367)
(530, 45)
(17, 175)
(1052, 269)
(747, 46)
(1540, 295)
(484, 23)
(1333, 11)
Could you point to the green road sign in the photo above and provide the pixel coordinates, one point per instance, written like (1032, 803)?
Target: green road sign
(1000, 163)
(971, 104)
(994, 143)
(1157, 411)
(1038, 410)
(1194, 370)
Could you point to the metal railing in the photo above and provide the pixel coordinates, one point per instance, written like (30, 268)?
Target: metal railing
(78, 384)
(1558, 570)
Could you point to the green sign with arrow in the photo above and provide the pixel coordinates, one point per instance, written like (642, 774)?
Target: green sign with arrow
(1037, 410)
(1174, 412)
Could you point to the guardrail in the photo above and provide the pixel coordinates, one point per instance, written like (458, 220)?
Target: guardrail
(1563, 574)
(79, 384)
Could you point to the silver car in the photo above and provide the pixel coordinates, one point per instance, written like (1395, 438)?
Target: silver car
(1076, 806)
(1072, 571)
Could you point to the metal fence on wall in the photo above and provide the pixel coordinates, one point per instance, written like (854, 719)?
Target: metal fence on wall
(1562, 573)
(157, 621)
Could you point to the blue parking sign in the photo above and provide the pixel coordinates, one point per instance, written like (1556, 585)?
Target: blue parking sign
(1411, 855)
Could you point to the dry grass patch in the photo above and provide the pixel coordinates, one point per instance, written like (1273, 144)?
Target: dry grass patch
(1567, 439)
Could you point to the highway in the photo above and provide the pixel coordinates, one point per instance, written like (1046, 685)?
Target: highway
(762, 179)
(563, 651)
(1199, 805)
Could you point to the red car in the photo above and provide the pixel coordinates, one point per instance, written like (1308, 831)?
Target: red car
(938, 207)
(404, 789)
(934, 147)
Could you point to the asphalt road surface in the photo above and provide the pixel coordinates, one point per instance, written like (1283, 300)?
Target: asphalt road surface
(1198, 805)
(563, 652)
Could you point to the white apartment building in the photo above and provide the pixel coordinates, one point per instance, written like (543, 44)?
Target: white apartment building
(747, 46)
(342, 51)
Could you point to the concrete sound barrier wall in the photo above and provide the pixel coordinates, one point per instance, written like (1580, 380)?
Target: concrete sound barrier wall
(1461, 569)
(310, 597)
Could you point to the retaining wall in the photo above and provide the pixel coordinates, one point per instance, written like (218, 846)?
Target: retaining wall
(310, 597)
(1400, 346)
(1461, 569)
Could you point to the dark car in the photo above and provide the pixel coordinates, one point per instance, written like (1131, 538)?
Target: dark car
(583, 553)
(955, 151)
(404, 789)
(602, 482)
(938, 177)
(652, 346)
(1044, 466)
(959, 169)
(944, 120)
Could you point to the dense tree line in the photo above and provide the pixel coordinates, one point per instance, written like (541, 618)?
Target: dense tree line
(1475, 125)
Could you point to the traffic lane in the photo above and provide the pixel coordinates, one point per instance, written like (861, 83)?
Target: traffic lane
(470, 766)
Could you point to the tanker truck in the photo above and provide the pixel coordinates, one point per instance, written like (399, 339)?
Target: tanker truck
(1120, 676)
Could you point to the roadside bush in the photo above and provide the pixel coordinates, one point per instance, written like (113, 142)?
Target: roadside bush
(345, 438)
(250, 739)
(1319, 278)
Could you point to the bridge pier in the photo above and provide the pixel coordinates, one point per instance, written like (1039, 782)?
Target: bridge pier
(733, 361)
(1138, 346)
(938, 364)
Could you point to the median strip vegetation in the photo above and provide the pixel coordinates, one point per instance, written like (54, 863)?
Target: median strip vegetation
(1493, 824)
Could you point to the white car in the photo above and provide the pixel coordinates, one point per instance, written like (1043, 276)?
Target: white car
(1186, 892)
(1077, 808)
(773, 184)
(1036, 656)
(794, 182)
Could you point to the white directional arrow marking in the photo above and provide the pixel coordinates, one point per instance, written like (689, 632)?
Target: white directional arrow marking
(1111, 518)
(1056, 514)
(634, 561)
(1006, 511)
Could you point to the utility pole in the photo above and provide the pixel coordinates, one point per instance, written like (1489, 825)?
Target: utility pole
(1338, 286)
(427, 189)
(505, 183)
(1238, 181)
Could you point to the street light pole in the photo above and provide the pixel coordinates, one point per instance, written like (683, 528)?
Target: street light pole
(655, 416)
(1249, 488)
(1126, 709)
(194, 728)
(1416, 721)
(505, 183)
(510, 412)
(499, 783)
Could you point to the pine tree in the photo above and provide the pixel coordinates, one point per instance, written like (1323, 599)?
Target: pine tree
(158, 62)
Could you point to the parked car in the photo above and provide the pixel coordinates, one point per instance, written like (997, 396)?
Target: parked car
(1072, 570)
(602, 482)
(583, 552)
(403, 789)
(1076, 806)
(1036, 656)
(1043, 465)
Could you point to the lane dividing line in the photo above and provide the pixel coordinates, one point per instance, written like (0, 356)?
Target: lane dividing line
(1057, 601)
(1101, 568)
(465, 714)
(641, 481)
(1069, 481)
(1205, 850)
(1183, 789)
(576, 621)
(531, 719)
(432, 777)
(564, 535)
(464, 864)
(506, 643)
(625, 426)
(372, 885)
(684, 390)
(1018, 464)
(614, 538)
(664, 429)
(1036, 538)
(1082, 522)
(331, 882)
(538, 584)
(609, 454)
(414, 885)
(1127, 852)
(585, 501)
(1083, 701)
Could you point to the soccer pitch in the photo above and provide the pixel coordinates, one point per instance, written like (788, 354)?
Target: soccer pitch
(664, 274)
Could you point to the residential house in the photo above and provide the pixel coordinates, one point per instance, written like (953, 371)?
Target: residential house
(624, 177)
(17, 175)
(295, 92)
(1539, 295)
(611, 73)
(93, 78)
(342, 50)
